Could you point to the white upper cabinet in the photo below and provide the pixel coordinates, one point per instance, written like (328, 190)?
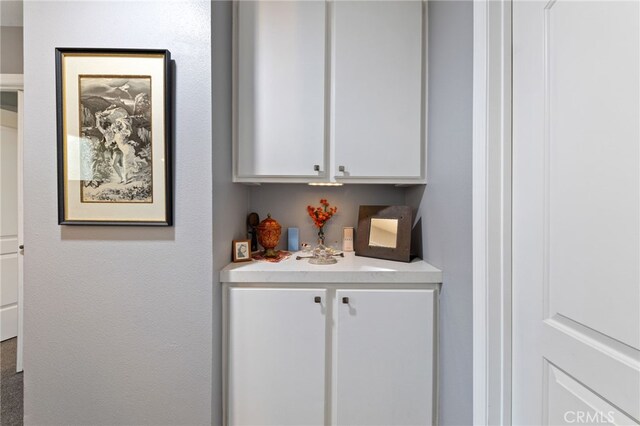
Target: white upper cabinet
(378, 89)
(330, 91)
(280, 89)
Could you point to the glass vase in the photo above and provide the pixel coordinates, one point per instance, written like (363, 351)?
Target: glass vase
(322, 255)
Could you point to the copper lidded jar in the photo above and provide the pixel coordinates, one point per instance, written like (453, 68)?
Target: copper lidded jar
(269, 235)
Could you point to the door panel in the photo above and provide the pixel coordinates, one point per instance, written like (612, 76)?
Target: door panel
(276, 356)
(570, 402)
(8, 181)
(8, 230)
(9, 277)
(378, 85)
(592, 171)
(611, 368)
(385, 364)
(281, 88)
(576, 210)
(9, 294)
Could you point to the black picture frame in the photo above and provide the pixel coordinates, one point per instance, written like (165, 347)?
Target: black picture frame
(139, 113)
(402, 215)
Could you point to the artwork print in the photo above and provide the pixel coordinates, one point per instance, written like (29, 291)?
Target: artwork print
(116, 139)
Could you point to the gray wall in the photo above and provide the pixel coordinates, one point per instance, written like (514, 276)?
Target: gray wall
(118, 320)
(444, 204)
(288, 203)
(11, 50)
(229, 199)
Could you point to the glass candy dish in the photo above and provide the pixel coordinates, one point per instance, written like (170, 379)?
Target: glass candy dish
(323, 255)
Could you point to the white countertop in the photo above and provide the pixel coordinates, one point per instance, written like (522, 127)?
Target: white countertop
(350, 269)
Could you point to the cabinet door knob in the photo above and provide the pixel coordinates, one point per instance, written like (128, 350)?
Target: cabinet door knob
(341, 168)
(317, 299)
(21, 247)
(316, 168)
(345, 300)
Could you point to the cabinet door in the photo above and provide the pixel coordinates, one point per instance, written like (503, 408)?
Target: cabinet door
(385, 357)
(280, 127)
(276, 358)
(379, 89)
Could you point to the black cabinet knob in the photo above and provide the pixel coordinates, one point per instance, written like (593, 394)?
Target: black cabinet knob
(317, 299)
(21, 247)
(345, 300)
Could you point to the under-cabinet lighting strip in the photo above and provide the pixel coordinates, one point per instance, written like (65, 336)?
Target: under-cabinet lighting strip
(325, 184)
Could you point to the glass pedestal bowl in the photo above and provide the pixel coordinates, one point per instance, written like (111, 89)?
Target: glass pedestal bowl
(323, 255)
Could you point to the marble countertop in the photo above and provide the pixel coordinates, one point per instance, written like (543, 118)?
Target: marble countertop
(350, 269)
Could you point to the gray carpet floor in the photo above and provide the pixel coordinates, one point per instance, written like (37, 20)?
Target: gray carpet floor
(11, 390)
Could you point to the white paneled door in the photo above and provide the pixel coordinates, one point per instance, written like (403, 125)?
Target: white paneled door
(8, 225)
(576, 212)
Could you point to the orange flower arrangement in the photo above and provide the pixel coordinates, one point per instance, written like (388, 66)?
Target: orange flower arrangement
(321, 215)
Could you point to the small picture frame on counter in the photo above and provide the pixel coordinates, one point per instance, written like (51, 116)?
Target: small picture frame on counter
(241, 250)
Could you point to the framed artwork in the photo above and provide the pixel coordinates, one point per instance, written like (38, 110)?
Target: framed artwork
(114, 137)
(384, 232)
(241, 250)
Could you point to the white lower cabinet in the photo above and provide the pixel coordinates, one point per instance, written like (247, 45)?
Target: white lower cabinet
(276, 364)
(330, 354)
(384, 357)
